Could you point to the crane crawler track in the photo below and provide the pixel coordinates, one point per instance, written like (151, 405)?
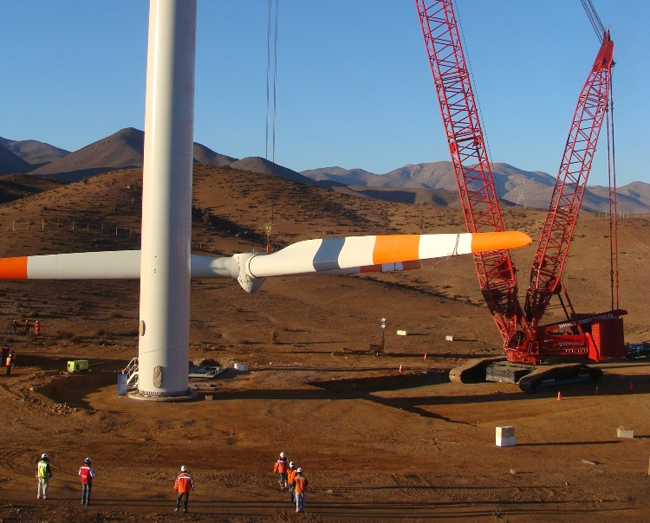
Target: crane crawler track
(546, 377)
(473, 371)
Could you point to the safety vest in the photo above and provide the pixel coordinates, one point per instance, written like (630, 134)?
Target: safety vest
(291, 476)
(281, 466)
(87, 474)
(183, 483)
(42, 469)
(300, 484)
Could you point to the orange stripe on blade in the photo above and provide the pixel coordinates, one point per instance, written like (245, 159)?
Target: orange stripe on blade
(13, 268)
(492, 241)
(391, 249)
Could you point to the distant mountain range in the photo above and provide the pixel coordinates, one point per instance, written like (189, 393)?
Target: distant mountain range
(433, 183)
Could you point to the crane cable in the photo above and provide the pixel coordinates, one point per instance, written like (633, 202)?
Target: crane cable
(592, 14)
(271, 107)
(599, 29)
(613, 211)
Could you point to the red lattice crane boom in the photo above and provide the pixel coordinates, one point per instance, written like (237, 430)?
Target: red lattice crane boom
(469, 157)
(525, 340)
(570, 184)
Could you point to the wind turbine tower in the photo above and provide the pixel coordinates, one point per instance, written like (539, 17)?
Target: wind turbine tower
(165, 263)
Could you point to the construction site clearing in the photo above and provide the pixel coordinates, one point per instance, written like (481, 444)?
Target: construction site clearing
(375, 443)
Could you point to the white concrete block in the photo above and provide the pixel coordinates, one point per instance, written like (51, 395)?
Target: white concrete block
(506, 442)
(622, 432)
(449, 338)
(505, 436)
(506, 432)
(402, 333)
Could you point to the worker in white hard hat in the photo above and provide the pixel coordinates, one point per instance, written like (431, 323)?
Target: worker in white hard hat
(291, 480)
(183, 484)
(281, 466)
(44, 475)
(300, 486)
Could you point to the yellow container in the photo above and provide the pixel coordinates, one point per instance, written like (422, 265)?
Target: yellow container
(77, 365)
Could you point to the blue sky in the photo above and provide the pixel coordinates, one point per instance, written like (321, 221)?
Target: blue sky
(354, 87)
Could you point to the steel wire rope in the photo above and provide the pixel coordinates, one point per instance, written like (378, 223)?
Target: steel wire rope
(594, 19)
(271, 96)
(611, 172)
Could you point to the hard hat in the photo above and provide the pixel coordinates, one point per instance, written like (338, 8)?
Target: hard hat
(292, 464)
(282, 455)
(299, 471)
(183, 468)
(87, 460)
(43, 456)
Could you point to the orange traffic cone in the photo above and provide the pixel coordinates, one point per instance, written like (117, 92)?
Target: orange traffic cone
(400, 368)
(425, 356)
(559, 396)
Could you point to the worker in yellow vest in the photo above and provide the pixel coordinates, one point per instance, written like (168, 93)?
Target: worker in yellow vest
(44, 475)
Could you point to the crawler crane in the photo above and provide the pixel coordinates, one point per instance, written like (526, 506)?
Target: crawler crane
(528, 344)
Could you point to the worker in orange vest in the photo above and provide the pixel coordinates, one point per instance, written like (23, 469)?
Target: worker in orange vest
(37, 328)
(10, 361)
(183, 484)
(280, 467)
(300, 486)
(5, 353)
(291, 480)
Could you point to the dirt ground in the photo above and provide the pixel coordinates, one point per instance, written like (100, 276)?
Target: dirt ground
(376, 444)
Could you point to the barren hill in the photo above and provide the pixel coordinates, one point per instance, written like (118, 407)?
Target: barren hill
(263, 166)
(203, 154)
(12, 163)
(17, 186)
(34, 152)
(120, 150)
(517, 186)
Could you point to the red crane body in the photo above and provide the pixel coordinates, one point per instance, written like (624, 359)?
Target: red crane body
(594, 336)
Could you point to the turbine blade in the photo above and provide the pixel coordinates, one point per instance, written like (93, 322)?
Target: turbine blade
(102, 265)
(332, 254)
(105, 265)
(345, 255)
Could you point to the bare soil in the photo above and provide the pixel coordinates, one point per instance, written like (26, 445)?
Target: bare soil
(376, 444)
